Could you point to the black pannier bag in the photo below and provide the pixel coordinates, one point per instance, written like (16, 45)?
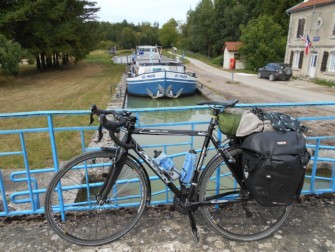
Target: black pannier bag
(274, 166)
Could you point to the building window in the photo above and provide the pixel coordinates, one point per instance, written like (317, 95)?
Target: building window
(332, 29)
(324, 61)
(332, 61)
(301, 27)
(297, 59)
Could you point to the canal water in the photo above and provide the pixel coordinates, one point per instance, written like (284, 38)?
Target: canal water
(171, 117)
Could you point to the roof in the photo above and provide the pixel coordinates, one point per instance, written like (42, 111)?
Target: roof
(309, 4)
(232, 46)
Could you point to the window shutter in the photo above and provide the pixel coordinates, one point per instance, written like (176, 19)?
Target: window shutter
(324, 61)
(291, 58)
(301, 59)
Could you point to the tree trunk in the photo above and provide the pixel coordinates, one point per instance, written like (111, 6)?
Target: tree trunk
(38, 62)
(49, 62)
(43, 65)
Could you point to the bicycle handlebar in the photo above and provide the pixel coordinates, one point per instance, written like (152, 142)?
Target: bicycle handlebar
(122, 120)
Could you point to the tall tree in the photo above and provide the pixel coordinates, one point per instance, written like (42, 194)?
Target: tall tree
(262, 42)
(50, 29)
(147, 34)
(168, 35)
(201, 26)
(128, 38)
(229, 15)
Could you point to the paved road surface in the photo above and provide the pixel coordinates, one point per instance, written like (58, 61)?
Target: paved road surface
(252, 89)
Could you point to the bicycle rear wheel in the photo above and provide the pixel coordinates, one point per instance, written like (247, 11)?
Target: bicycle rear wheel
(243, 220)
(71, 207)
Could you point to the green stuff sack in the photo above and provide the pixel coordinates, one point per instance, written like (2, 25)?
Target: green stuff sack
(228, 123)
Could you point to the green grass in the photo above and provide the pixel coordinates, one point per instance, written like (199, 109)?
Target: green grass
(72, 87)
(327, 83)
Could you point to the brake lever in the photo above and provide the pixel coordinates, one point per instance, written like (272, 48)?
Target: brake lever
(93, 109)
(91, 118)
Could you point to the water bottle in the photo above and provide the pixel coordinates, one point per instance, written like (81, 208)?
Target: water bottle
(188, 167)
(166, 164)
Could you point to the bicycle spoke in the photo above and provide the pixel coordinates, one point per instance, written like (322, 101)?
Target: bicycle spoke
(72, 208)
(241, 218)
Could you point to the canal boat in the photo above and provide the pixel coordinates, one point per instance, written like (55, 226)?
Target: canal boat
(151, 75)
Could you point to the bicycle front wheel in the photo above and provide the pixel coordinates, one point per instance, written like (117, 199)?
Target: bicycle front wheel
(241, 218)
(71, 206)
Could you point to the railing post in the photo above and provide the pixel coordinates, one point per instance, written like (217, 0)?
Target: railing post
(3, 195)
(35, 203)
(333, 179)
(53, 142)
(315, 165)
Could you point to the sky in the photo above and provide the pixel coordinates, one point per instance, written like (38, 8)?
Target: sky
(138, 11)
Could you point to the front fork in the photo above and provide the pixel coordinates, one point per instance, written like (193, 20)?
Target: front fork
(112, 175)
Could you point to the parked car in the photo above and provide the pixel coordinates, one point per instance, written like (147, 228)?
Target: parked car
(275, 71)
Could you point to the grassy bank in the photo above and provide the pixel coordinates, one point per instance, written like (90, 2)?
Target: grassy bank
(72, 87)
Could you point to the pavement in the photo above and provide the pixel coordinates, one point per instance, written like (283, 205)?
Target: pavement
(309, 227)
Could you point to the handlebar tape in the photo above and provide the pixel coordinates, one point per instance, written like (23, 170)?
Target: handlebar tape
(112, 126)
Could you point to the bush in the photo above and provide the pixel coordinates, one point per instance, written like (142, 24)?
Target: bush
(218, 60)
(324, 82)
(11, 54)
(106, 45)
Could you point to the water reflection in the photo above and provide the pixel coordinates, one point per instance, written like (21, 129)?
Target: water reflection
(145, 102)
(168, 116)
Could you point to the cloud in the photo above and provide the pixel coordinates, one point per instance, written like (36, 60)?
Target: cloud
(135, 11)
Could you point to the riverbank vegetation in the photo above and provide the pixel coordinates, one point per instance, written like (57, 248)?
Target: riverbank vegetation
(74, 87)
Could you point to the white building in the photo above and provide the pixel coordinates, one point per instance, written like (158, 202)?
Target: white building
(230, 50)
(313, 19)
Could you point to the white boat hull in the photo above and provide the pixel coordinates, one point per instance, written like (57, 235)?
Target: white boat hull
(162, 84)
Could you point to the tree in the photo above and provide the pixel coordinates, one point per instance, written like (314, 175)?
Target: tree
(277, 10)
(50, 29)
(263, 42)
(201, 26)
(128, 38)
(11, 54)
(229, 15)
(184, 40)
(168, 35)
(147, 34)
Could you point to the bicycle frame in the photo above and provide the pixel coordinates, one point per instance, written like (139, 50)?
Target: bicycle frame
(209, 138)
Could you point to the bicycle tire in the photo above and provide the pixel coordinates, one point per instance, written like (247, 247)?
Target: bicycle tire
(240, 220)
(82, 220)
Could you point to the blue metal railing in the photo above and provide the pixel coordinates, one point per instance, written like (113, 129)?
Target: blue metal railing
(28, 199)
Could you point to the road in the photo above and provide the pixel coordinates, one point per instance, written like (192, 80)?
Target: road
(251, 89)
